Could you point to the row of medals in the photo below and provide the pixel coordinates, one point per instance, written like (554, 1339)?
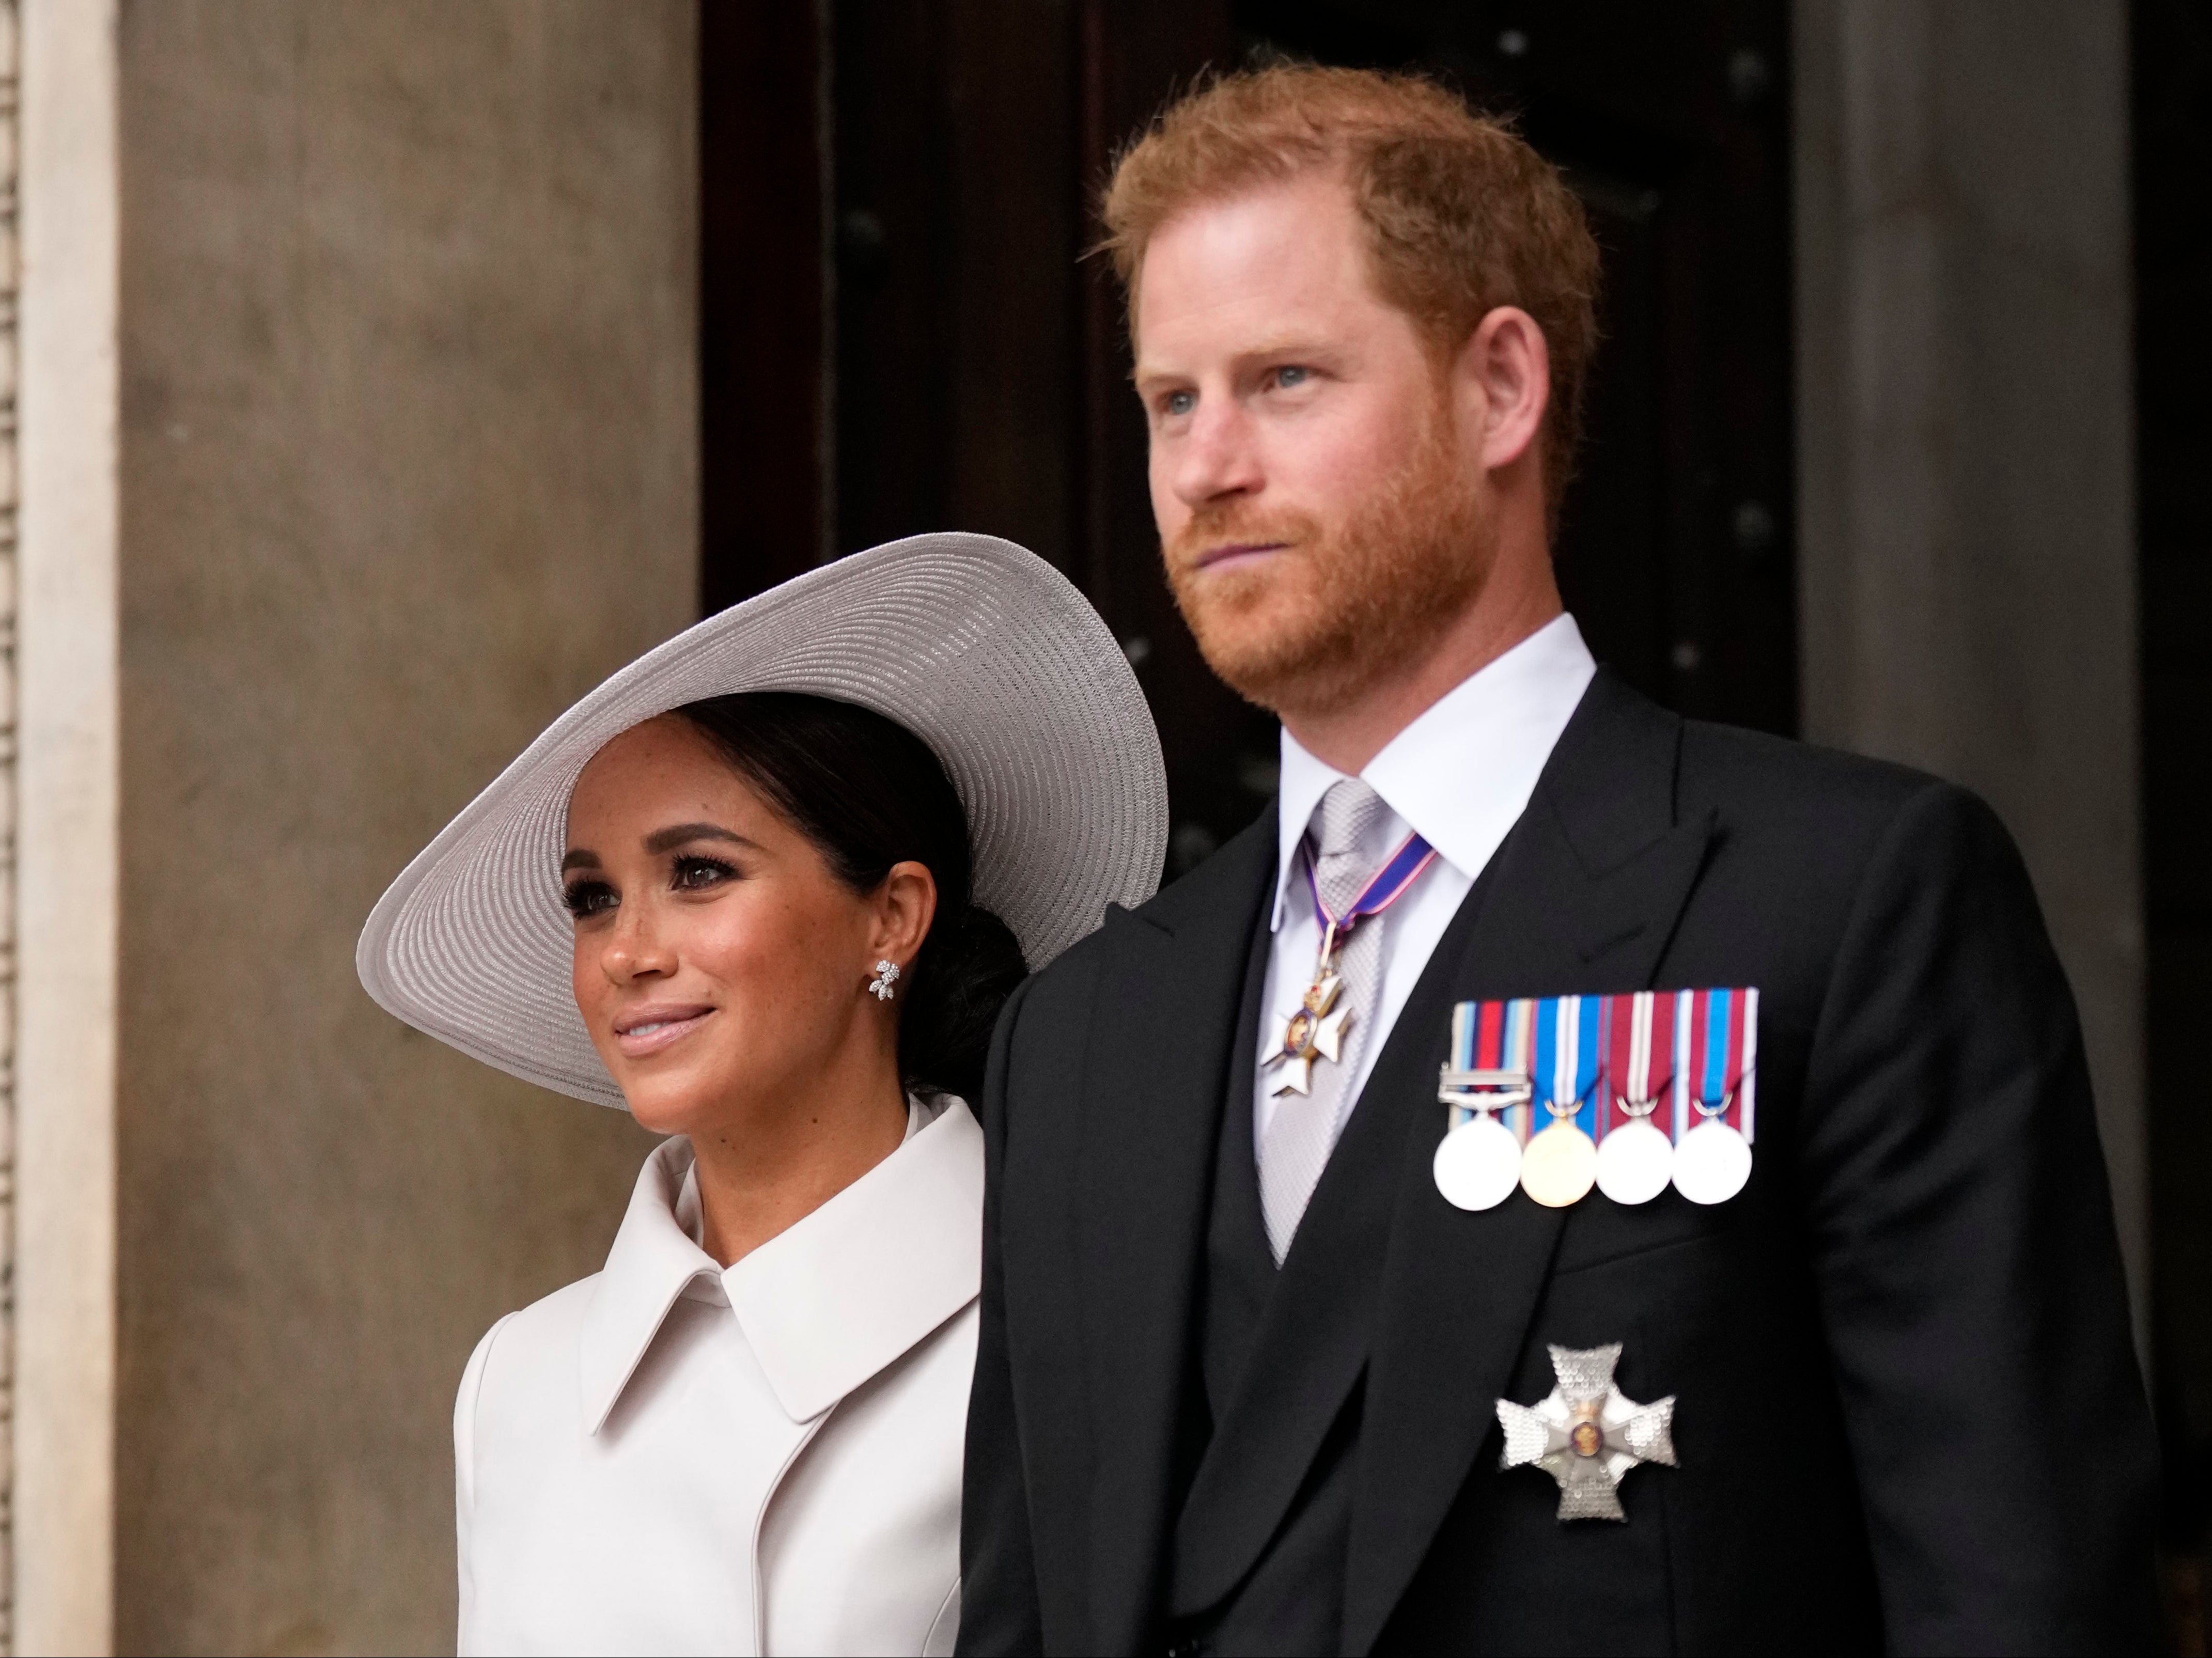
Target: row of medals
(1481, 1161)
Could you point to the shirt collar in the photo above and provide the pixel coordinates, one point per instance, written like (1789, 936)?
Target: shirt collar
(825, 1304)
(1462, 773)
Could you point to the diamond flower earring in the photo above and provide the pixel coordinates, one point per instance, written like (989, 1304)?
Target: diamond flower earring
(887, 972)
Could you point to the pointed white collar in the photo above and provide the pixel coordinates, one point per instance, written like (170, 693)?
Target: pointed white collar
(825, 1304)
(1462, 773)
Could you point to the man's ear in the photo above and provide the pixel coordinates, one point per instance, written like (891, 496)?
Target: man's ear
(1502, 384)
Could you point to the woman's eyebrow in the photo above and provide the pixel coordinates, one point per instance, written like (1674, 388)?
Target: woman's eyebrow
(669, 838)
(580, 859)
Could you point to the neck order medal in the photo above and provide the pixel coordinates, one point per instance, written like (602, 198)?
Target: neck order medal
(1315, 1029)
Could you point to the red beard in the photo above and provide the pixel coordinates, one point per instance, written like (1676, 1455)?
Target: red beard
(1343, 607)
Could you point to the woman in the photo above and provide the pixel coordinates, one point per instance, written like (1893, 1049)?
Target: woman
(767, 888)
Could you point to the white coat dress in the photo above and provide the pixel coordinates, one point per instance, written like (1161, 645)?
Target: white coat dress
(672, 1457)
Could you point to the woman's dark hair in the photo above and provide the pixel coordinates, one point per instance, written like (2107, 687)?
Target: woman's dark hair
(869, 793)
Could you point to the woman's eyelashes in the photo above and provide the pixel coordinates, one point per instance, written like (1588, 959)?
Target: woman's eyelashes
(692, 873)
(687, 872)
(587, 897)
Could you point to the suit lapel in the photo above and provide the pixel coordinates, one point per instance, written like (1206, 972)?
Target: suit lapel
(1151, 1096)
(1587, 891)
(1318, 1330)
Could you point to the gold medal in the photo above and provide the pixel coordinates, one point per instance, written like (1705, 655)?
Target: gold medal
(1559, 1166)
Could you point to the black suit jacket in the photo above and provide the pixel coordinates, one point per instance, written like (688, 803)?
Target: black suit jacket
(1908, 1410)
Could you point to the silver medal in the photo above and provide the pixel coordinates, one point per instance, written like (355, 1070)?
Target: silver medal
(1586, 1433)
(1478, 1163)
(1713, 1162)
(1635, 1160)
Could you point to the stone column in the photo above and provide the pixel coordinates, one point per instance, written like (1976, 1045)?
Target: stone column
(67, 865)
(359, 416)
(1965, 454)
(10, 585)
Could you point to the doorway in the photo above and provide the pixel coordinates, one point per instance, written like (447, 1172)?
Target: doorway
(901, 333)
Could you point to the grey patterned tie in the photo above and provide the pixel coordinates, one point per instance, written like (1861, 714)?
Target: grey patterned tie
(1303, 1131)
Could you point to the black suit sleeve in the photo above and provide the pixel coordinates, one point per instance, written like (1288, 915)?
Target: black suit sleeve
(1969, 1275)
(999, 1610)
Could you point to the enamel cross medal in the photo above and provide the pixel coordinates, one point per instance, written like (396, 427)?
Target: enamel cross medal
(1316, 1030)
(1313, 1031)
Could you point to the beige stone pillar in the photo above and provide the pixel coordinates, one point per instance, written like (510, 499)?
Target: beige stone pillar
(360, 437)
(1965, 454)
(67, 835)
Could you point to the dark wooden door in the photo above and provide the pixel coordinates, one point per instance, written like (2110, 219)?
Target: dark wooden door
(972, 367)
(1671, 122)
(2173, 161)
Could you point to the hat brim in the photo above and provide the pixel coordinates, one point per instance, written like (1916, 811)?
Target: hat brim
(978, 646)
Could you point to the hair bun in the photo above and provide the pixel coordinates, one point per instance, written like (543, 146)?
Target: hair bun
(968, 967)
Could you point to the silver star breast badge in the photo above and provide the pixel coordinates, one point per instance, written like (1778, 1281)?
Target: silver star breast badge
(1586, 1433)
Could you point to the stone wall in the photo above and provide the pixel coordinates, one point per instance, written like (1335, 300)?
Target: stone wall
(1966, 429)
(408, 335)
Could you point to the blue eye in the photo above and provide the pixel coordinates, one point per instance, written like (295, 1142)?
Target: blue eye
(1181, 403)
(1292, 374)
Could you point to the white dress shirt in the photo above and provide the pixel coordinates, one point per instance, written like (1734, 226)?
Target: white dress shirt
(674, 1457)
(1461, 776)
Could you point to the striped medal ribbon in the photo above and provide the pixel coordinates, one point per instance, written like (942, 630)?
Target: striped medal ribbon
(1636, 1158)
(1478, 1161)
(1383, 888)
(1717, 1038)
(1560, 1164)
(1636, 1091)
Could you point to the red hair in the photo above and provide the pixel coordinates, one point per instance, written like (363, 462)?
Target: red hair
(1461, 215)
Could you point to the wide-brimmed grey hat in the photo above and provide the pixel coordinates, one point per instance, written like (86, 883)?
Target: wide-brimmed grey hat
(979, 647)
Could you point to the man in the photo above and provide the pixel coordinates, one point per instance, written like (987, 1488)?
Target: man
(1263, 1370)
